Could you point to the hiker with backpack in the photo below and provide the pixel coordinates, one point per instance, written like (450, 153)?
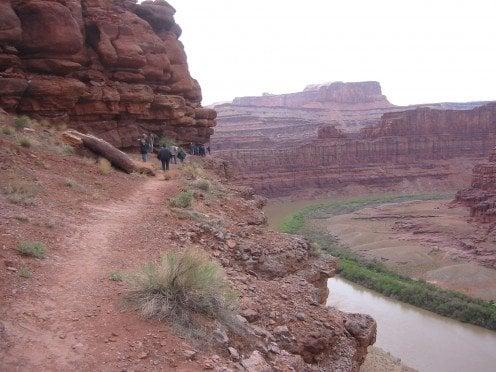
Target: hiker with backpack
(164, 155)
(181, 154)
(174, 152)
(144, 147)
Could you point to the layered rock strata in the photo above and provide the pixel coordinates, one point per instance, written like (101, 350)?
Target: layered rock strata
(273, 121)
(111, 67)
(481, 196)
(405, 146)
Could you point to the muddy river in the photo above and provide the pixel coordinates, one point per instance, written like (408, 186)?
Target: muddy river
(423, 340)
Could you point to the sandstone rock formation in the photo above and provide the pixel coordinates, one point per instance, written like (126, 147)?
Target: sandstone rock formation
(405, 146)
(481, 196)
(273, 121)
(110, 67)
(320, 96)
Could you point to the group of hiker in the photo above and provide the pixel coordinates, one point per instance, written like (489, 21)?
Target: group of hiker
(166, 154)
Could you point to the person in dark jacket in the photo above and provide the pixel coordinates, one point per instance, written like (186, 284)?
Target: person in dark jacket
(164, 155)
(181, 154)
(144, 147)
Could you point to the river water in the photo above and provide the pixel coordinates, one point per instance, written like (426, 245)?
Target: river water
(423, 340)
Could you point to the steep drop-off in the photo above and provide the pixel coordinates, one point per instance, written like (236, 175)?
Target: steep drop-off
(481, 196)
(113, 68)
(405, 146)
(62, 313)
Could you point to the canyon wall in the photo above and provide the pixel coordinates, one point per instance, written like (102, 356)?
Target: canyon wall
(278, 121)
(481, 196)
(320, 96)
(423, 143)
(111, 67)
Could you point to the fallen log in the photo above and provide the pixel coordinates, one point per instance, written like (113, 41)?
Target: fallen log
(98, 146)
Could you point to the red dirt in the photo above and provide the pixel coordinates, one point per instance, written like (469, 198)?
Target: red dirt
(68, 315)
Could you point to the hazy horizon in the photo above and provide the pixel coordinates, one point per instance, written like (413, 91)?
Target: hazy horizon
(420, 52)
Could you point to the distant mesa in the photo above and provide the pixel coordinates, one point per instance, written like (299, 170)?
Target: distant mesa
(336, 94)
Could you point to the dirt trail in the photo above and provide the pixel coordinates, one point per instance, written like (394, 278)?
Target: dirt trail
(67, 321)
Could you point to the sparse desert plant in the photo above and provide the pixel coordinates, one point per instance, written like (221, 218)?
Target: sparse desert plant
(8, 131)
(202, 184)
(182, 285)
(104, 166)
(21, 192)
(22, 122)
(116, 276)
(24, 272)
(167, 141)
(69, 182)
(24, 142)
(66, 149)
(192, 170)
(22, 218)
(32, 249)
(182, 200)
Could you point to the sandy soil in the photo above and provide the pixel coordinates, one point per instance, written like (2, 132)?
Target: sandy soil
(64, 323)
(433, 240)
(379, 360)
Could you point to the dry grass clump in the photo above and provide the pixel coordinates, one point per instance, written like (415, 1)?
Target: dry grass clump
(104, 166)
(201, 184)
(24, 141)
(181, 286)
(21, 122)
(182, 200)
(116, 276)
(192, 170)
(8, 131)
(20, 192)
(24, 272)
(31, 249)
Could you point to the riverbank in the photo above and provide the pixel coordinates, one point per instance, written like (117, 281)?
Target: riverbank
(377, 276)
(420, 339)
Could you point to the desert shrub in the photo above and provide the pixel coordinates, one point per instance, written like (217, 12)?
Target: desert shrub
(21, 122)
(201, 184)
(182, 285)
(69, 182)
(167, 141)
(182, 200)
(104, 166)
(66, 149)
(24, 142)
(21, 192)
(116, 276)
(24, 272)
(8, 131)
(32, 249)
(192, 171)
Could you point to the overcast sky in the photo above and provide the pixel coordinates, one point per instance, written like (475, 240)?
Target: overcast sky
(421, 51)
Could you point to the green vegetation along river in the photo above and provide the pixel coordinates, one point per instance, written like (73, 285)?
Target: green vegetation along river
(422, 339)
(374, 275)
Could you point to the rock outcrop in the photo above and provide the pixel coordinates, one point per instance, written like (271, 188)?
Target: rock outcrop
(405, 146)
(274, 121)
(110, 67)
(481, 196)
(323, 96)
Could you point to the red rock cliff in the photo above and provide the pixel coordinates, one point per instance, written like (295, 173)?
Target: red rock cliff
(405, 146)
(114, 68)
(481, 196)
(325, 95)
